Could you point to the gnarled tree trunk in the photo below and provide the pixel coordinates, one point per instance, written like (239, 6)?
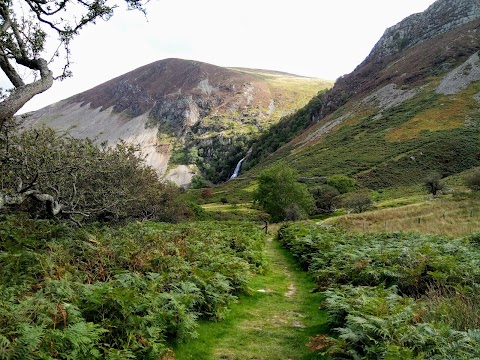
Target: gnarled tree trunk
(20, 95)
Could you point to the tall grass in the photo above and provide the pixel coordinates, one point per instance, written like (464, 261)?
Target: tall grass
(438, 216)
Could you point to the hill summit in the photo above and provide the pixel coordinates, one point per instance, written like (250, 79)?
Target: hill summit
(187, 116)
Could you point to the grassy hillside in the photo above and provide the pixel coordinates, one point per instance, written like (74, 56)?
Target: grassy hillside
(397, 146)
(391, 121)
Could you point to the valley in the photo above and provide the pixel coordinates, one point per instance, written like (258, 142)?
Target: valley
(185, 210)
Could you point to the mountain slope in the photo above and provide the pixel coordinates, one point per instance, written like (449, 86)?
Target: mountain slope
(183, 113)
(410, 108)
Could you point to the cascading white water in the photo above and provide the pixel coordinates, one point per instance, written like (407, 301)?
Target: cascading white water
(237, 168)
(239, 164)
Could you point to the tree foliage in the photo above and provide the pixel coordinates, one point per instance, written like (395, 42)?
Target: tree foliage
(433, 183)
(74, 178)
(472, 181)
(26, 26)
(280, 194)
(326, 198)
(358, 201)
(342, 183)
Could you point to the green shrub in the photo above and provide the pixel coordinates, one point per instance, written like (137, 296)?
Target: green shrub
(342, 183)
(410, 261)
(357, 202)
(433, 183)
(50, 175)
(326, 199)
(378, 323)
(472, 181)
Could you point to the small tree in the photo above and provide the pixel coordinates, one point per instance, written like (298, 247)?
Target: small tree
(433, 183)
(326, 198)
(198, 182)
(358, 202)
(342, 183)
(472, 181)
(281, 195)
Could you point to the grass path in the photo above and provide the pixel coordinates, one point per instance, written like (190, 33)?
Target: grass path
(273, 323)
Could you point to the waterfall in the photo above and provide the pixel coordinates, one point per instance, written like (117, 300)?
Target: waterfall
(239, 164)
(237, 168)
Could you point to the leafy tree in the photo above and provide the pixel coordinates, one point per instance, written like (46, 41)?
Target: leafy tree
(433, 183)
(281, 195)
(342, 183)
(358, 202)
(326, 198)
(25, 28)
(472, 181)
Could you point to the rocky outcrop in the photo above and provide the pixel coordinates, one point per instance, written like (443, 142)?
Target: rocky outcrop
(441, 17)
(440, 38)
(459, 78)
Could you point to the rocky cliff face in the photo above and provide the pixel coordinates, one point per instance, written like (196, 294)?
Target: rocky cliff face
(421, 45)
(441, 17)
(185, 115)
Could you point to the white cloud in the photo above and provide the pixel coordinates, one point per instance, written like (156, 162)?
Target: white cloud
(316, 38)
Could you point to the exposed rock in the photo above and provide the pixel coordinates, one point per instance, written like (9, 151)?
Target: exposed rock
(181, 175)
(103, 126)
(462, 76)
(325, 129)
(291, 291)
(389, 96)
(441, 17)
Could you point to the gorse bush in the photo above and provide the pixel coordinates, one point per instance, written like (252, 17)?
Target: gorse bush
(128, 292)
(391, 296)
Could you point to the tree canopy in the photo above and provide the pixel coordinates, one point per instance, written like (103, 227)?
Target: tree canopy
(281, 195)
(27, 26)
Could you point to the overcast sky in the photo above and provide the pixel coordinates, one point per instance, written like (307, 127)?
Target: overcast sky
(317, 38)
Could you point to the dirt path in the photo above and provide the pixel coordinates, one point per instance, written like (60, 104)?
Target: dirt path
(275, 322)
